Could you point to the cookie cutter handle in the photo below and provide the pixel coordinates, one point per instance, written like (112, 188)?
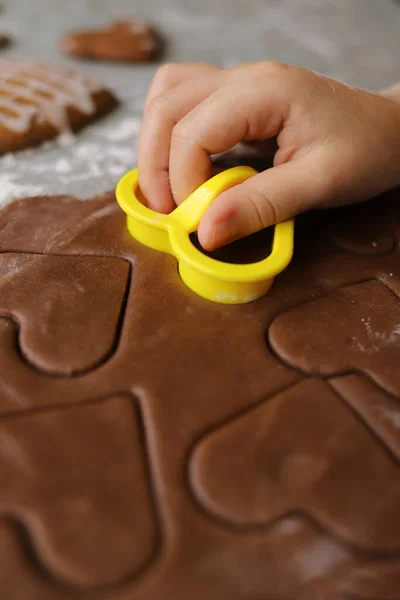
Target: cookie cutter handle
(190, 212)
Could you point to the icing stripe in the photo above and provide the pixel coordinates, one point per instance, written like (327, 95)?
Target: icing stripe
(31, 91)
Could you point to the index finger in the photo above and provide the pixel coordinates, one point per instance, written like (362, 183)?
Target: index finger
(231, 115)
(160, 118)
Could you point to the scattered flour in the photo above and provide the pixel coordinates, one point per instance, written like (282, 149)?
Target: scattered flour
(376, 340)
(123, 130)
(11, 188)
(390, 415)
(63, 166)
(83, 164)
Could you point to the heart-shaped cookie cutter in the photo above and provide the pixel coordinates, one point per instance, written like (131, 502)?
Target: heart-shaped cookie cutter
(210, 278)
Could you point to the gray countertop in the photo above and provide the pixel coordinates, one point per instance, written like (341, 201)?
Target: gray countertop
(357, 41)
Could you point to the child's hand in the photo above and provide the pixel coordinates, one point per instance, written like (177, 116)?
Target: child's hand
(336, 144)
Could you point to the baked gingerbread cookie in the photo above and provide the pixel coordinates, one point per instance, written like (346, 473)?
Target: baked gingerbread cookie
(122, 41)
(40, 101)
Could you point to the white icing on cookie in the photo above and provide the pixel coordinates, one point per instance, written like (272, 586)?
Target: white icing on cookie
(136, 26)
(147, 44)
(31, 91)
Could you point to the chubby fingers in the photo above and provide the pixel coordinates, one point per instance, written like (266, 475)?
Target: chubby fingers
(201, 116)
(265, 199)
(163, 110)
(172, 74)
(229, 115)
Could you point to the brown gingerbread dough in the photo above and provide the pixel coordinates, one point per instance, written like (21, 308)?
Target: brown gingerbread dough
(363, 330)
(122, 41)
(156, 445)
(39, 102)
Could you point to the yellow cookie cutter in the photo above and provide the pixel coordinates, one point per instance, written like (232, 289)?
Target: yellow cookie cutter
(207, 277)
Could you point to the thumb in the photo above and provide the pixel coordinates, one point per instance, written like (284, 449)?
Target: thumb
(263, 200)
